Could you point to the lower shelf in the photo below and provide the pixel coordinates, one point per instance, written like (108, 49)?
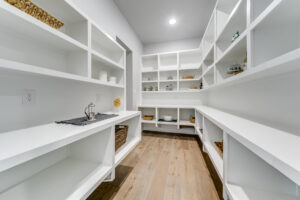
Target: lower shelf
(215, 158)
(125, 150)
(68, 179)
(247, 193)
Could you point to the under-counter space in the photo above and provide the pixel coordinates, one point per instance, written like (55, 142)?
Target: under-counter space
(68, 160)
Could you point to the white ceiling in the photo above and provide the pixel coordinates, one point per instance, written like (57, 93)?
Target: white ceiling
(149, 18)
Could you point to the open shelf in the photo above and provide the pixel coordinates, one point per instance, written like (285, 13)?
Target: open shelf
(168, 86)
(30, 42)
(264, 141)
(257, 7)
(161, 112)
(106, 46)
(209, 36)
(251, 178)
(150, 86)
(208, 77)
(99, 68)
(151, 76)
(283, 17)
(65, 173)
(148, 111)
(212, 134)
(237, 23)
(235, 55)
(190, 59)
(208, 60)
(165, 76)
(184, 116)
(149, 63)
(168, 61)
(133, 138)
(224, 12)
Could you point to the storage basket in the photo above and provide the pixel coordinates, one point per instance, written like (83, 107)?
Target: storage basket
(35, 11)
(148, 117)
(192, 119)
(121, 132)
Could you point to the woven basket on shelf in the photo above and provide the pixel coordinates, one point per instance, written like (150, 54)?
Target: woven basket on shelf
(120, 136)
(35, 11)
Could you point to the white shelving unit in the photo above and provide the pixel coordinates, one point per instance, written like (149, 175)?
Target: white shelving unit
(63, 162)
(253, 166)
(163, 70)
(56, 161)
(30, 46)
(179, 113)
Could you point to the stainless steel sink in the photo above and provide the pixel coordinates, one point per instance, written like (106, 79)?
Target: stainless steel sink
(82, 121)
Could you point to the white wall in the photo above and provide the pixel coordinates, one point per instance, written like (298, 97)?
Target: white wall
(109, 18)
(192, 43)
(56, 99)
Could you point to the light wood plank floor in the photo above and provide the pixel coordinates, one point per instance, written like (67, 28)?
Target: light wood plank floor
(161, 167)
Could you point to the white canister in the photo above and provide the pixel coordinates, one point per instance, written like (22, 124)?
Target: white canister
(113, 79)
(103, 75)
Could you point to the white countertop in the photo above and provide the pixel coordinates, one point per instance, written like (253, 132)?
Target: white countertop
(22, 145)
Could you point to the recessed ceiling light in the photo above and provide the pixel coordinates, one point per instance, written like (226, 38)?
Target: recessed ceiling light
(172, 21)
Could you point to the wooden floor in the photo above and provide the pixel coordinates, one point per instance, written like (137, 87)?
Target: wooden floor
(162, 167)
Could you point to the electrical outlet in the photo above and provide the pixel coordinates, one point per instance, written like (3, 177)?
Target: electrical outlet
(28, 97)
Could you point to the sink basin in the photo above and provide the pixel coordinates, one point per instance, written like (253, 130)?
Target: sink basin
(82, 121)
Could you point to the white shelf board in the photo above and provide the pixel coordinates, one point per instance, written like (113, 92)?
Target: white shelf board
(154, 81)
(17, 147)
(167, 106)
(235, 47)
(232, 14)
(18, 21)
(167, 123)
(186, 66)
(101, 58)
(30, 69)
(280, 65)
(153, 121)
(68, 179)
(207, 70)
(190, 80)
(125, 150)
(167, 81)
(237, 192)
(149, 71)
(264, 141)
(215, 158)
(186, 122)
(168, 70)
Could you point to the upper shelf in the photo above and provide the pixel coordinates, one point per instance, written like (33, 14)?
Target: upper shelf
(105, 45)
(20, 24)
(265, 141)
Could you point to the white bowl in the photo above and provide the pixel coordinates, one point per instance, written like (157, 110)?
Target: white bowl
(168, 118)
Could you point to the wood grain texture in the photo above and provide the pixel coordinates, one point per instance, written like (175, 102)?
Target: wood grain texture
(161, 167)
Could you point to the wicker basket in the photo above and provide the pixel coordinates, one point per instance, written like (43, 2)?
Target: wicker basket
(148, 117)
(35, 11)
(120, 136)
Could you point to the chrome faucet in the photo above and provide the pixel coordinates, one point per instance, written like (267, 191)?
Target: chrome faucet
(90, 114)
